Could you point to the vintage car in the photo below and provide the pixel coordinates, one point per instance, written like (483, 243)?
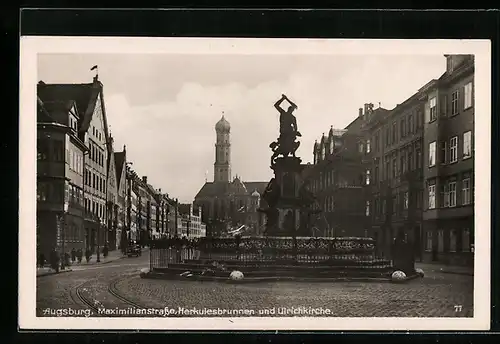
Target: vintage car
(134, 249)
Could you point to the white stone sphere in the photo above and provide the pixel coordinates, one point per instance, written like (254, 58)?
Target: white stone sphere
(398, 276)
(419, 272)
(236, 275)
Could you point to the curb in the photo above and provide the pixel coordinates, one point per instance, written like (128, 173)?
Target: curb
(54, 273)
(266, 279)
(70, 270)
(456, 273)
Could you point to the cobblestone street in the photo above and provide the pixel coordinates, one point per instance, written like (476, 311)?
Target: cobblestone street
(436, 295)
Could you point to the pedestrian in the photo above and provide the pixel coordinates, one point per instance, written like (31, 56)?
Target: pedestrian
(54, 260)
(79, 255)
(67, 259)
(105, 250)
(88, 255)
(41, 260)
(73, 255)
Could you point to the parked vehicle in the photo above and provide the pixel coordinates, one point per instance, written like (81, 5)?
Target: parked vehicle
(134, 249)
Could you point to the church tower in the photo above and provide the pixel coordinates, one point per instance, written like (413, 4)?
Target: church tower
(222, 165)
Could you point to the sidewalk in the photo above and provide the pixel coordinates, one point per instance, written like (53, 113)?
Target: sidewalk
(112, 257)
(448, 269)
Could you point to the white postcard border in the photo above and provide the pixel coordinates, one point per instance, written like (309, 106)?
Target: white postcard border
(31, 46)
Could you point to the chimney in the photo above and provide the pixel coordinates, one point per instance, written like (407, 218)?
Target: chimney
(366, 108)
(145, 179)
(370, 107)
(360, 112)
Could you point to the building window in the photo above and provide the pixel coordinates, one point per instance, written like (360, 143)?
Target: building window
(453, 149)
(419, 158)
(454, 103)
(394, 132)
(361, 147)
(42, 149)
(453, 240)
(428, 241)
(444, 200)
(466, 240)
(42, 192)
(58, 149)
(367, 208)
(367, 177)
(368, 146)
(387, 168)
(432, 109)
(410, 160)
(403, 161)
(452, 194)
(432, 154)
(394, 204)
(440, 240)
(411, 124)
(467, 149)
(322, 152)
(468, 95)
(405, 200)
(466, 199)
(394, 167)
(443, 153)
(432, 196)
(403, 127)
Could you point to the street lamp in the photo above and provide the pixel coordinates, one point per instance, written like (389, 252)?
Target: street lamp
(65, 211)
(98, 237)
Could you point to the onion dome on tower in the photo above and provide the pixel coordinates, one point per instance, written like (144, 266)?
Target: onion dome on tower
(222, 125)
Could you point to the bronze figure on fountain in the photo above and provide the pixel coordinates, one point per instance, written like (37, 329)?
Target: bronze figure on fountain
(286, 144)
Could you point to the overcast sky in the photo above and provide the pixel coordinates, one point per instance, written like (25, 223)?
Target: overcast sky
(164, 107)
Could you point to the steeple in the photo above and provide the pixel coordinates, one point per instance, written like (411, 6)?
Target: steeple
(222, 165)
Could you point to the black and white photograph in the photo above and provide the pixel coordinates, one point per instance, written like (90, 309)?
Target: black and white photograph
(254, 184)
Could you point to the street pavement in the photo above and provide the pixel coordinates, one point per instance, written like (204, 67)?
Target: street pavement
(435, 295)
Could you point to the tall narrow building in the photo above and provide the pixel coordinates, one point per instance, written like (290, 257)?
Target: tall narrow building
(222, 165)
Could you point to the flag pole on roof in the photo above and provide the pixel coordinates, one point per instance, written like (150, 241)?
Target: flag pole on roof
(96, 71)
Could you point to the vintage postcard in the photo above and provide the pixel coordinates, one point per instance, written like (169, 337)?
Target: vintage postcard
(254, 184)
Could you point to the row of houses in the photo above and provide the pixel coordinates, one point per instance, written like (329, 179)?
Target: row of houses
(88, 196)
(405, 173)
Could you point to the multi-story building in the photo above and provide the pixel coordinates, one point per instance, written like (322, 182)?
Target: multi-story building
(336, 179)
(121, 175)
(449, 164)
(111, 198)
(93, 131)
(393, 176)
(60, 164)
(189, 222)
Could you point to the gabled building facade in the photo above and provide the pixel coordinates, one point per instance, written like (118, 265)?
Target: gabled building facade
(92, 130)
(60, 163)
(393, 175)
(120, 158)
(111, 198)
(449, 164)
(336, 179)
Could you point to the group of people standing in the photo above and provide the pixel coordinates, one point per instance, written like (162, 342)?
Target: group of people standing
(75, 255)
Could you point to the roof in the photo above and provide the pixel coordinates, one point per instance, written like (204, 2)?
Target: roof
(184, 208)
(119, 164)
(211, 189)
(83, 95)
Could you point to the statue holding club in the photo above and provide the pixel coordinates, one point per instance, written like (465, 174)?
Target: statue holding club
(286, 144)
